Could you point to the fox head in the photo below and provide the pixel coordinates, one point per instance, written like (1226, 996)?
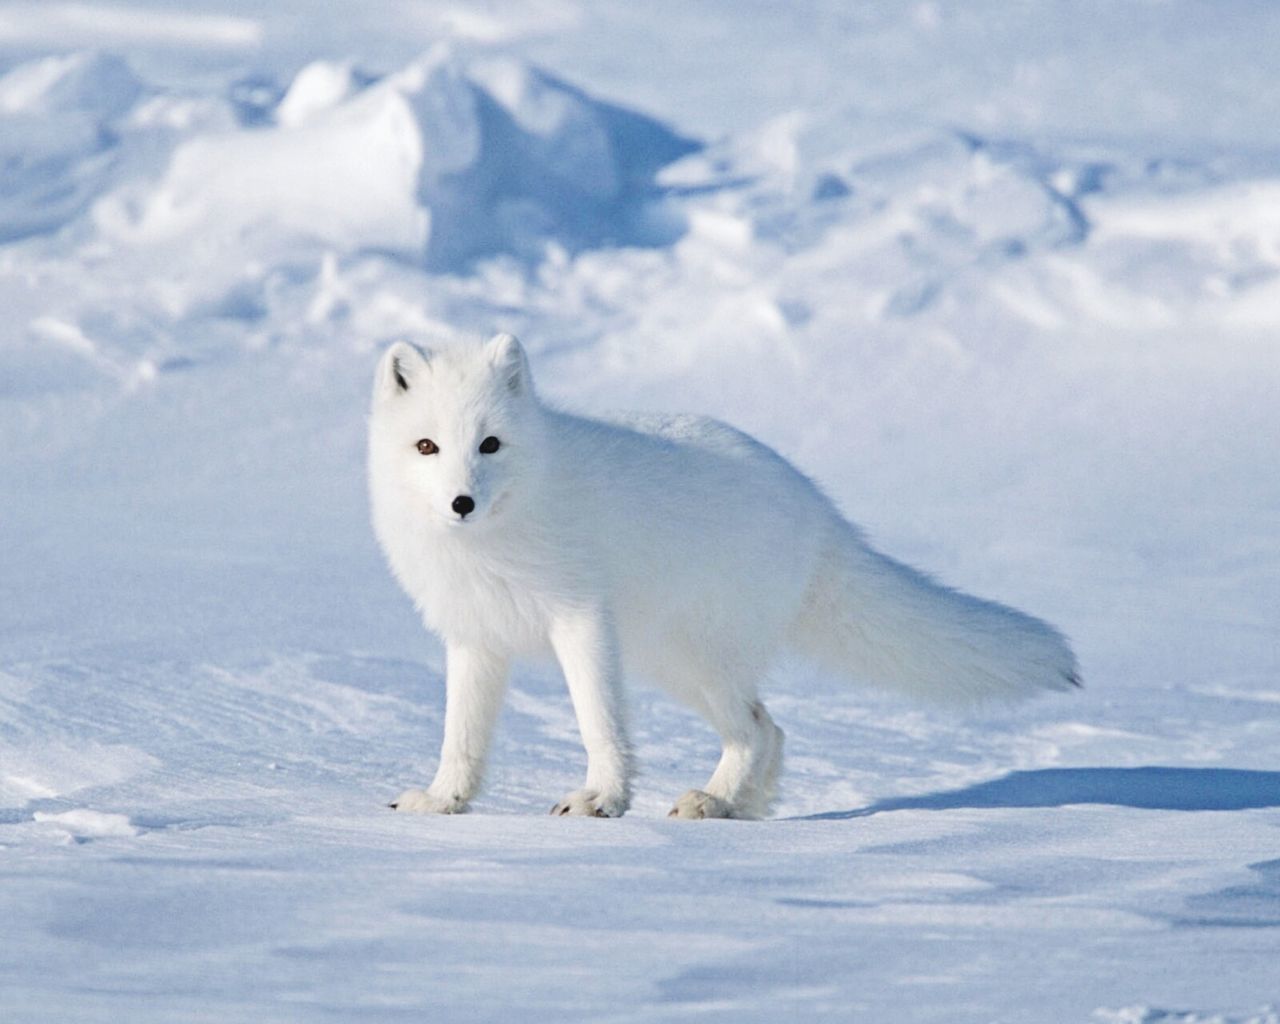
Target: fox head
(455, 430)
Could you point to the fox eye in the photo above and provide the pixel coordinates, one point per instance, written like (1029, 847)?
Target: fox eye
(427, 447)
(489, 445)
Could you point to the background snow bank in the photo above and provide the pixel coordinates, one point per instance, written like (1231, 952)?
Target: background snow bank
(443, 161)
(1008, 290)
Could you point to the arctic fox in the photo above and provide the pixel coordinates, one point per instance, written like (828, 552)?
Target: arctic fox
(671, 547)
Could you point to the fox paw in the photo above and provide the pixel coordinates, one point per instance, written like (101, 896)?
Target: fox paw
(592, 803)
(696, 804)
(423, 801)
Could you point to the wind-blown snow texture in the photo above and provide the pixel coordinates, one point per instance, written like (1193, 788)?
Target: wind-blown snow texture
(1004, 278)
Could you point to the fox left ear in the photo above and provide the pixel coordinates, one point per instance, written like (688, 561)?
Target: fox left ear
(508, 358)
(401, 364)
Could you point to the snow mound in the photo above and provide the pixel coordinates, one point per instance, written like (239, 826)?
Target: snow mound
(90, 84)
(56, 137)
(444, 161)
(318, 87)
(87, 824)
(1229, 218)
(1153, 1015)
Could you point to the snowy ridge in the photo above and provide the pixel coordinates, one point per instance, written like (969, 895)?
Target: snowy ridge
(442, 161)
(1153, 1015)
(1005, 281)
(447, 159)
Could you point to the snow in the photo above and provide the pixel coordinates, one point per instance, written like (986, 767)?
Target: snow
(1005, 280)
(84, 824)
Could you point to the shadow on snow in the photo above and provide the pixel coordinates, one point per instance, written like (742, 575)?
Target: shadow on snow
(1150, 788)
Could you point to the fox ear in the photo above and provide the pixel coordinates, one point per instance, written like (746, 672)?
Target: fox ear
(508, 358)
(401, 366)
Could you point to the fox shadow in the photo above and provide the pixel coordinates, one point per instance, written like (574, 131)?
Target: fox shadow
(1149, 788)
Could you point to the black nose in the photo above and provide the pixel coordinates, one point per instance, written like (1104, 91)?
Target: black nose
(463, 504)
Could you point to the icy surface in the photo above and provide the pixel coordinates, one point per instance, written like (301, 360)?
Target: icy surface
(1005, 279)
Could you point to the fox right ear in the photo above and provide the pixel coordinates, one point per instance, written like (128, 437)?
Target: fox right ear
(507, 356)
(402, 364)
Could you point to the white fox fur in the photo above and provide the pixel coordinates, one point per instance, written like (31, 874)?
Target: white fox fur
(674, 548)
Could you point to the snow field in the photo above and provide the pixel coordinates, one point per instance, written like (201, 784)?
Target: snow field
(1005, 282)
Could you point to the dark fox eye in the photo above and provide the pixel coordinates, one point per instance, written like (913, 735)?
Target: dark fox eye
(489, 445)
(427, 447)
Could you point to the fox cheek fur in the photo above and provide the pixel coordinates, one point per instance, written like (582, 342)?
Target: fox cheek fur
(670, 547)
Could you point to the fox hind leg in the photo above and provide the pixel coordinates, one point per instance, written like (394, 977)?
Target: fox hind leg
(743, 784)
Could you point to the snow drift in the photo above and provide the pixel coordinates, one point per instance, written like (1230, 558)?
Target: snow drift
(444, 161)
(58, 133)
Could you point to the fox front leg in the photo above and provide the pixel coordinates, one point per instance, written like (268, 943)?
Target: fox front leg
(587, 649)
(475, 680)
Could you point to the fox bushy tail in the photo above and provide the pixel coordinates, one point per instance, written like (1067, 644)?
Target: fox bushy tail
(882, 622)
